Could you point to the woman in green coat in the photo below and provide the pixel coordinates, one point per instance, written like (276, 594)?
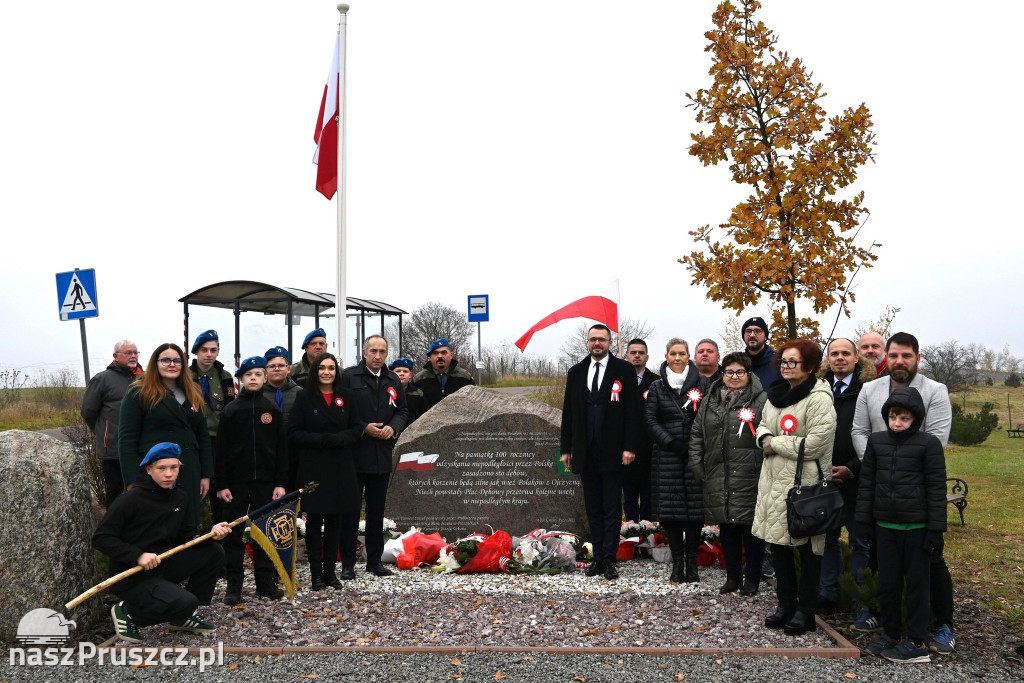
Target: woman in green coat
(165, 404)
(724, 455)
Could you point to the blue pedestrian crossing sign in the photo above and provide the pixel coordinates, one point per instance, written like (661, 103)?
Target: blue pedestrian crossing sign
(76, 294)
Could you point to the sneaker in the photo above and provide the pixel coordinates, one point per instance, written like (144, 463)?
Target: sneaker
(194, 624)
(865, 622)
(944, 641)
(907, 653)
(767, 568)
(883, 643)
(123, 625)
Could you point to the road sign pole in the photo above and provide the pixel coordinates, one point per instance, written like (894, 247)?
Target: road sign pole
(85, 348)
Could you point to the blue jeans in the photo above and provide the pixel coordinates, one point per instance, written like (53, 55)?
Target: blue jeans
(832, 560)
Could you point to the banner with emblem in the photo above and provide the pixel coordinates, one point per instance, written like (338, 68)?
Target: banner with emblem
(275, 533)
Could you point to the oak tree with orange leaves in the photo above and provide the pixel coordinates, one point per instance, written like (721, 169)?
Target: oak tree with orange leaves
(794, 235)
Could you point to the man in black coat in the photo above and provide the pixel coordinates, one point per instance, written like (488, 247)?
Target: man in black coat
(600, 434)
(380, 409)
(846, 371)
(636, 479)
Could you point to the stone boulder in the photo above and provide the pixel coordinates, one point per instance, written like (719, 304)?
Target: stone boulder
(46, 527)
(480, 459)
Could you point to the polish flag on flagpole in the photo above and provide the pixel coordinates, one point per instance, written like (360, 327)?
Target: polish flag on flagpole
(417, 462)
(326, 134)
(602, 307)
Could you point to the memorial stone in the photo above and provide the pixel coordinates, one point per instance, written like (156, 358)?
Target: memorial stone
(482, 460)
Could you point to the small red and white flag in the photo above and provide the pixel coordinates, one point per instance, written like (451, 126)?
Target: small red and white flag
(326, 134)
(417, 462)
(602, 307)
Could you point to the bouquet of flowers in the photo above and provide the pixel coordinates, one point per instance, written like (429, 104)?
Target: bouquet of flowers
(455, 555)
(543, 552)
(390, 528)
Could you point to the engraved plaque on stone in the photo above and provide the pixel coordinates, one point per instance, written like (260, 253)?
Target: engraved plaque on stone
(481, 459)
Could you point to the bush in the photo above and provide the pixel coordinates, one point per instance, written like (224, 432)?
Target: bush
(970, 429)
(1012, 380)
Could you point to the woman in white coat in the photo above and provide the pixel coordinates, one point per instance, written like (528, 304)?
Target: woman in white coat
(799, 409)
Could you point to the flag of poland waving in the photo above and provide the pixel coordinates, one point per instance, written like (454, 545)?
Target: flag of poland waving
(417, 462)
(602, 307)
(326, 134)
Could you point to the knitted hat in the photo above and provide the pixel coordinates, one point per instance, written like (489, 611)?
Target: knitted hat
(754, 322)
(318, 332)
(251, 363)
(208, 336)
(162, 450)
(278, 352)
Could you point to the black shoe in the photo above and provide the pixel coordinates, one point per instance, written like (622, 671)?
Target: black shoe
(730, 586)
(270, 592)
(233, 595)
(347, 574)
(379, 570)
(594, 569)
(610, 572)
(677, 572)
(330, 579)
(827, 604)
(801, 623)
(778, 619)
(318, 583)
(750, 587)
(690, 575)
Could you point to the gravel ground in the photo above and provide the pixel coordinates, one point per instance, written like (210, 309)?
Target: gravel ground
(421, 608)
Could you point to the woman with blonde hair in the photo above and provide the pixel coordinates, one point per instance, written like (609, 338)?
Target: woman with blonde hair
(166, 405)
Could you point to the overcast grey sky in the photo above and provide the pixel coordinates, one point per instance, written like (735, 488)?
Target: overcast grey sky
(531, 151)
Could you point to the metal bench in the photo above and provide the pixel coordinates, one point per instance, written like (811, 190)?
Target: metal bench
(957, 496)
(1018, 432)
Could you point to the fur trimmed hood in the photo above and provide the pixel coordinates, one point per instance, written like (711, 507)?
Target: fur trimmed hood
(865, 369)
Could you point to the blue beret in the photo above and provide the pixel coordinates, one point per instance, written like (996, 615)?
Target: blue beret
(160, 451)
(438, 343)
(402, 363)
(251, 363)
(208, 336)
(318, 332)
(278, 352)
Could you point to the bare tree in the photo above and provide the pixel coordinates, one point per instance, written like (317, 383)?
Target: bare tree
(952, 363)
(1007, 362)
(575, 346)
(882, 325)
(432, 321)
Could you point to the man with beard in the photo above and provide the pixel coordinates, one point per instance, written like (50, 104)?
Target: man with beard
(755, 339)
(601, 417)
(636, 479)
(872, 346)
(707, 359)
(441, 375)
(902, 359)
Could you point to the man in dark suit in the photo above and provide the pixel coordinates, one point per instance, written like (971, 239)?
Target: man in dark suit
(600, 421)
(636, 479)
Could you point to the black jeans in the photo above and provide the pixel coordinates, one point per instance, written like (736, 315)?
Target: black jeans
(154, 596)
(246, 497)
(738, 539)
(901, 557)
(374, 489)
(322, 546)
(112, 481)
(797, 595)
(631, 493)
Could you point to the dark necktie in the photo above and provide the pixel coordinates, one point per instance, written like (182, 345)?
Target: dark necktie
(279, 397)
(594, 385)
(440, 379)
(838, 387)
(205, 384)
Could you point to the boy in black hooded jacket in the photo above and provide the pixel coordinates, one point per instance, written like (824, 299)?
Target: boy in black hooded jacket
(901, 503)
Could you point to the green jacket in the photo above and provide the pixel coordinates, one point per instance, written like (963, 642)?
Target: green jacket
(427, 382)
(222, 391)
(725, 455)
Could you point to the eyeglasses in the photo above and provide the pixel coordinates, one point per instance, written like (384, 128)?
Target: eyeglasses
(734, 373)
(276, 367)
(788, 363)
(129, 353)
(170, 361)
(594, 340)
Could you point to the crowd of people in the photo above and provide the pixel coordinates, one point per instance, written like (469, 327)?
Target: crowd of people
(706, 440)
(171, 436)
(717, 441)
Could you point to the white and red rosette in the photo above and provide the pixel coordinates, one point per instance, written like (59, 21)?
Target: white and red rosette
(788, 424)
(339, 402)
(746, 415)
(392, 395)
(616, 388)
(645, 394)
(694, 396)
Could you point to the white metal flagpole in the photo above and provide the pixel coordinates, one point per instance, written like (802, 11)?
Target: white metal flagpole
(340, 294)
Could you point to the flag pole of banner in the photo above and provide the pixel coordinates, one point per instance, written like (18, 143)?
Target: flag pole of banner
(330, 170)
(602, 307)
(275, 533)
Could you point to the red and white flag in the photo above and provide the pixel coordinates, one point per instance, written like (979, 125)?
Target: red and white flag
(602, 307)
(416, 461)
(326, 134)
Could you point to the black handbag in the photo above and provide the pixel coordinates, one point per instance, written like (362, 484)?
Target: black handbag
(813, 509)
